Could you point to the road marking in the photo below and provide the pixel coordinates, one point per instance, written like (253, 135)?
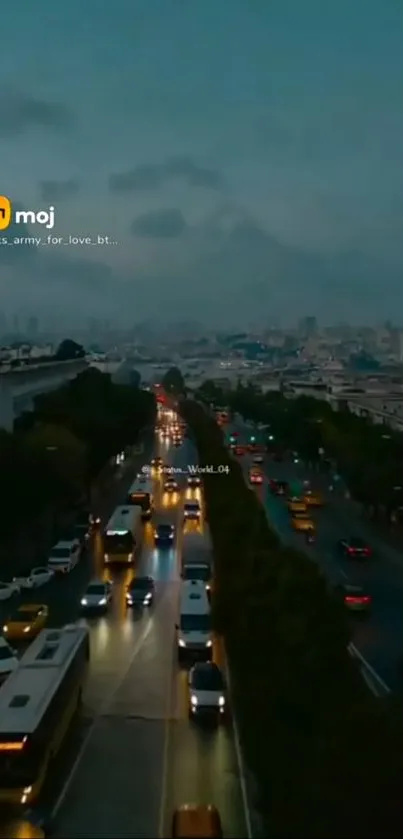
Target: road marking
(239, 755)
(369, 669)
(99, 714)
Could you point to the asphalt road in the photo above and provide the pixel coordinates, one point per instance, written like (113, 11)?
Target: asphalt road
(137, 755)
(379, 637)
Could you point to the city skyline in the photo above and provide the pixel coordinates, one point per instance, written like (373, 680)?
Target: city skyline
(247, 162)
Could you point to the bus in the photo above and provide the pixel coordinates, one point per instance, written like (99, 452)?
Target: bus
(38, 703)
(141, 495)
(123, 535)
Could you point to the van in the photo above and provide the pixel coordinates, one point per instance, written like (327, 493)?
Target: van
(192, 821)
(194, 627)
(64, 556)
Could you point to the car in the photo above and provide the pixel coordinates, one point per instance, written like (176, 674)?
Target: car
(296, 505)
(37, 577)
(257, 458)
(97, 596)
(157, 463)
(164, 534)
(64, 555)
(192, 821)
(177, 441)
(255, 477)
(313, 498)
(193, 481)
(171, 485)
(278, 487)
(354, 547)
(207, 690)
(354, 597)
(8, 659)
(191, 510)
(303, 522)
(8, 590)
(26, 622)
(140, 592)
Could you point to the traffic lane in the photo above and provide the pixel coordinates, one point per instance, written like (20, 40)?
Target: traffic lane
(128, 737)
(202, 760)
(142, 693)
(379, 636)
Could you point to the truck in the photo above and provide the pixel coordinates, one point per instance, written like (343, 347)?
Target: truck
(197, 558)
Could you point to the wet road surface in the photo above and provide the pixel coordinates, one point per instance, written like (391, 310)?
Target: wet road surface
(379, 637)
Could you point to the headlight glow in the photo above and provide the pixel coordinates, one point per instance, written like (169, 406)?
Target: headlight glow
(209, 643)
(194, 700)
(84, 601)
(221, 701)
(102, 602)
(181, 643)
(27, 629)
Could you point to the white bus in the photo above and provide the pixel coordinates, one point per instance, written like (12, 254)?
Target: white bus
(37, 704)
(123, 535)
(141, 495)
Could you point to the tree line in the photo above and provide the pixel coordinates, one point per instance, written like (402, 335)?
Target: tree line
(57, 450)
(326, 755)
(67, 350)
(366, 457)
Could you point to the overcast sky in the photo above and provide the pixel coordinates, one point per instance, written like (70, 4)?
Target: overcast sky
(246, 156)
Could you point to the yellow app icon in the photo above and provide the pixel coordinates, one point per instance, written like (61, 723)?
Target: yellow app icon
(5, 212)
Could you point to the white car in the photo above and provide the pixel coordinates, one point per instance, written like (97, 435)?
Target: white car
(37, 577)
(258, 458)
(8, 590)
(8, 658)
(98, 595)
(207, 691)
(64, 556)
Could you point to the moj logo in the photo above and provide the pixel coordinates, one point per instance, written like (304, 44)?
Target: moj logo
(7, 216)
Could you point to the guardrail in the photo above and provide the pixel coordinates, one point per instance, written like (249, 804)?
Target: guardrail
(376, 685)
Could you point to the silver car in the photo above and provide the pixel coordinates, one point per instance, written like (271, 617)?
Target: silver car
(207, 691)
(97, 596)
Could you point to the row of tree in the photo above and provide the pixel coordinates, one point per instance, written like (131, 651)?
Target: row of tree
(326, 755)
(368, 457)
(57, 450)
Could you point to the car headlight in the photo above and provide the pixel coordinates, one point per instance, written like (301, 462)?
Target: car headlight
(208, 588)
(5, 628)
(221, 701)
(171, 536)
(27, 629)
(102, 602)
(182, 643)
(194, 701)
(209, 643)
(129, 600)
(84, 601)
(147, 596)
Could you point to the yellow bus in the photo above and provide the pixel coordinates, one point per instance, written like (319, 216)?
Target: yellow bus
(38, 703)
(141, 495)
(123, 536)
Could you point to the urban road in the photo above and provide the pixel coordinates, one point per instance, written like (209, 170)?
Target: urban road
(379, 637)
(137, 756)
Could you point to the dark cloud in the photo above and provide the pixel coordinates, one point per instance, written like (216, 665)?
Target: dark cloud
(160, 224)
(52, 191)
(20, 113)
(154, 175)
(142, 177)
(186, 168)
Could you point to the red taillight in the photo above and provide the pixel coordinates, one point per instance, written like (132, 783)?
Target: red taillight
(357, 600)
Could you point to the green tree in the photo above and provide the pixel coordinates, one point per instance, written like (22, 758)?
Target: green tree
(69, 350)
(173, 382)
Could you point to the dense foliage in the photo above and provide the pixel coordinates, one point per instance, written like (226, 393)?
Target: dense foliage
(173, 382)
(58, 449)
(368, 457)
(327, 757)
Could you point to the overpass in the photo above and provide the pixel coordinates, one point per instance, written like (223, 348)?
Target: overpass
(19, 387)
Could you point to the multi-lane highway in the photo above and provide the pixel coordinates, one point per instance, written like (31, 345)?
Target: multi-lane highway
(380, 637)
(138, 756)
